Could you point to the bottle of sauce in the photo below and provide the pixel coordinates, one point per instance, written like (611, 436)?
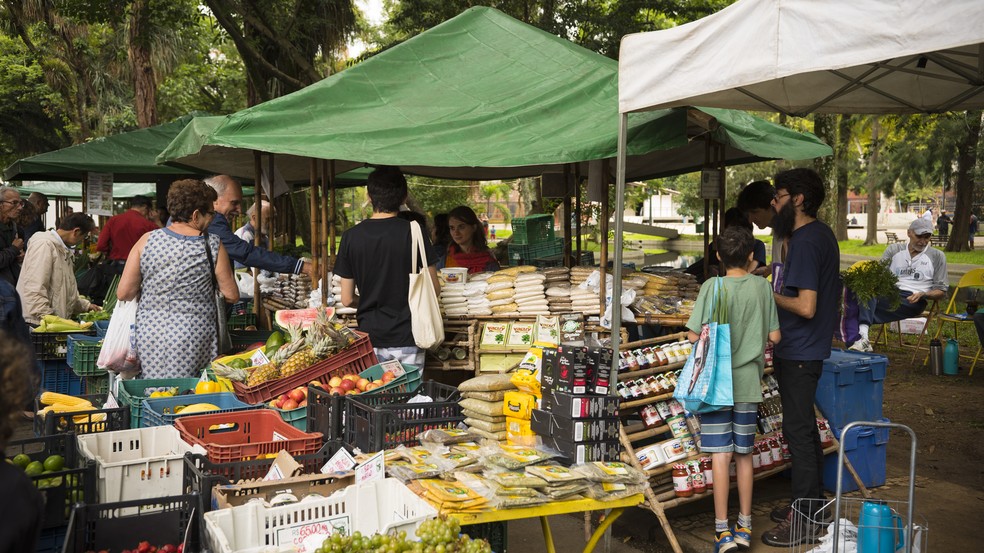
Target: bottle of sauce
(682, 485)
(705, 467)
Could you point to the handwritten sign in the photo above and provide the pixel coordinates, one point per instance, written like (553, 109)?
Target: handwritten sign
(258, 358)
(373, 469)
(99, 194)
(341, 461)
(307, 537)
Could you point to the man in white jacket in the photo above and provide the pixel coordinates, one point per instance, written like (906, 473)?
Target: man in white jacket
(47, 284)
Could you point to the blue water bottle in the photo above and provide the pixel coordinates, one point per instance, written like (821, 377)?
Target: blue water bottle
(951, 355)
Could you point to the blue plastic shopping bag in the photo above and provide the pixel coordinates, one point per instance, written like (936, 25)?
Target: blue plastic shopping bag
(706, 383)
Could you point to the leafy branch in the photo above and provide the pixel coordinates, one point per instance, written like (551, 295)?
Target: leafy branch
(870, 280)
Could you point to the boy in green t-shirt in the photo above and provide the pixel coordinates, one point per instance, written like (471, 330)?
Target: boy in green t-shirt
(731, 431)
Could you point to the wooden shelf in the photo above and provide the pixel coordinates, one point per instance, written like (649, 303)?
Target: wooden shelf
(650, 433)
(649, 372)
(645, 401)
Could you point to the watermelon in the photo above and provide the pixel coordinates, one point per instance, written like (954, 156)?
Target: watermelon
(302, 317)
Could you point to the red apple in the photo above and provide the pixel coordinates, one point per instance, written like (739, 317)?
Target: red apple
(289, 404)
(352, 377)
(372, 386)
(347, 385)
(337, 391)
(388, 376)
(297, 394)
(283, 398)
(361, 384)
(302, 404)
(335, 381)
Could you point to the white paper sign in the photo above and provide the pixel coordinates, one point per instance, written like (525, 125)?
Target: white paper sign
(710, 184)
(372, 469)
(299, 536)
(341, 461)
(99, 194)
(258, 358)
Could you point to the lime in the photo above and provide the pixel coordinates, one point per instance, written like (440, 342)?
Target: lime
(54, 463)
(238, 364)
(22, 460)
(34, 468)
(275, 340)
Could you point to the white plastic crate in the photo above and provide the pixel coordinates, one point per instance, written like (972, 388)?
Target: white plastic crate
(380, 506)
(909, 326)
(140, 463)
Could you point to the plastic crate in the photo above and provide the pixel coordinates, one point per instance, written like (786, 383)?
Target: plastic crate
(381, 506)
(376, 422)
(83, 351)
(116, 418)
(70, 485)
(159, 411)
(202, 474)
(294, 417)
(141, 463)
(587, 260)
(56, 376)
(101, 328)
(243, 338)
(53, 345)
(866, 448)
(132, 393)
(354, 359)
(533, 229)
(495, 533)
(244, 434)
(95, 385)
(851, 387)
(122, 525)
(241, 316)
(524, 254)
(52, 540)
(409, 381)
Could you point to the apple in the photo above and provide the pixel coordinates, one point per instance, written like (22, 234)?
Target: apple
(347, 385)
(302, 404)
(337, 391)
(361, 384)
(388, 376)
(335, 381)
(289, 404)
(316, 384)
(353, 392)
(352, 377)
(273, 403)
(372, 386)
(297, 394)
(283, 398)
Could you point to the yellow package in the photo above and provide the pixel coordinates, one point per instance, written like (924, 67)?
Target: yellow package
(518, 432)
(446, 492)
(528, 380)
(518, 405)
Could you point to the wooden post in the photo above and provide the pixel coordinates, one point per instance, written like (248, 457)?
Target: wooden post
(313, 213)
(333, 209)
(577, 214)
(327, 253)
(567, 215)
(257, 185)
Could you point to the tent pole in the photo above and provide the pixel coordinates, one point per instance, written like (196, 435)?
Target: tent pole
(333, 208)
(257, 186)
(577, 213)
(623, 121)
(567, 215)
(328, 254)
(708, 222)
(313, 227)
(603, 224)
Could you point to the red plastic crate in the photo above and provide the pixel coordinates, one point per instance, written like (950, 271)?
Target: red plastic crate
(240, 435)
(352, 360)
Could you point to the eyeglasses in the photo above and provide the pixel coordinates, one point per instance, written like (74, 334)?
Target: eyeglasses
(15, 202)
(780, 196)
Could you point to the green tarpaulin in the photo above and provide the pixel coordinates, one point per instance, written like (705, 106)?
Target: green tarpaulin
(130, 156)
(481, 96)
(73, 190)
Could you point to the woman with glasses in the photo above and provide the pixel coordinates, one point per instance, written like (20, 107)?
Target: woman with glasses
(11, 245)
(173, 273)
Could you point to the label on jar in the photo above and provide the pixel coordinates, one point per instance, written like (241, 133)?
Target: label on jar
(675, 407)
(664, 409)
(661, 356)
(689, 444)
(673, 450)
(678, 425)
(682, 483)
(650, 416)
(697, 481)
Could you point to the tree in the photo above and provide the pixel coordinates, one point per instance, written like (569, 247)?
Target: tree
(438, 196)
(843, 165)
(967, 171)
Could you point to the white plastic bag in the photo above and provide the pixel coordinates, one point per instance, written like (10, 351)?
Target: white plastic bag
(118, 353)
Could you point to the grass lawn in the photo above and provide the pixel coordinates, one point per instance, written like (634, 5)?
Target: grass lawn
(854, 247)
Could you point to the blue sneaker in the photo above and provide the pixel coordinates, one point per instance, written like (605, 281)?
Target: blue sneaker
(724, 542)
(743, 536)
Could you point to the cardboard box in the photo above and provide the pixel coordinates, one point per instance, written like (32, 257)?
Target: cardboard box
(586, 452)
(544, 423)
(573, 364)
(580, 406)
(540, 422)
(599, 370)
(548, 371)
(233, 495)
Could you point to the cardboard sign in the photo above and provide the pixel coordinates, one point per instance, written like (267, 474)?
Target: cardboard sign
(258, 358)
(373, 469)
(341, 461)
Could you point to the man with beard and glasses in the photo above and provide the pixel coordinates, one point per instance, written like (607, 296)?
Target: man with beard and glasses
(921, 270)
(806, 292)
(755, 201)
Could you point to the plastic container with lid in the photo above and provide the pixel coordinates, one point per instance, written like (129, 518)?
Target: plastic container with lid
(651, 456)
(454, 275)
(673, 450)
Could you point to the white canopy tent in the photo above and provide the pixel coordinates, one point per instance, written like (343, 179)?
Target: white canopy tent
(804, 56)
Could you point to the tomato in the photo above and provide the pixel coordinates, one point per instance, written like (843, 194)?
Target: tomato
(207, 387)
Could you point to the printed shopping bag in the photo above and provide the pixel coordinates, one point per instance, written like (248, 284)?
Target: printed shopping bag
(706, 383)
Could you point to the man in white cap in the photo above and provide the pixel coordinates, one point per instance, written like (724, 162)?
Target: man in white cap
(921, 271)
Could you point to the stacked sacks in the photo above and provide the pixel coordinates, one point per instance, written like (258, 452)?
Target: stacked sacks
(453, 300)
(501, 291)
(670, 283)
(529, 294)
(474, 294)
(482, 404)
(557, 284)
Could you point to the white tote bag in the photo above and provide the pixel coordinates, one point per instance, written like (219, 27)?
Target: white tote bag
(425, 311)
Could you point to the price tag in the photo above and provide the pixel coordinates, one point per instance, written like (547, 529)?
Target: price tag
(258, 358)
(372, 469)
(278, 437)
(204, 377)
(111, 403)
(341, 461)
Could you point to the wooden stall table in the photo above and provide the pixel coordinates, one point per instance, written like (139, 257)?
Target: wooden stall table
(617, 507)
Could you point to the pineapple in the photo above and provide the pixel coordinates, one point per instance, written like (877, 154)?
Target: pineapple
(299, 361)
(263, 373)
(296, 336)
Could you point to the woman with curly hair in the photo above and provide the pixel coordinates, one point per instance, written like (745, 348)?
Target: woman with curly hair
(174, 272)
(22, 507)
(469, 247)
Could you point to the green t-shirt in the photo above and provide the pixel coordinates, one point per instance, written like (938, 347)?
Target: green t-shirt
(752, 315)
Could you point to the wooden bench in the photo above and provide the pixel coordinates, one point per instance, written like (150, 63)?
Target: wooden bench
(938, 241)
(892, 238)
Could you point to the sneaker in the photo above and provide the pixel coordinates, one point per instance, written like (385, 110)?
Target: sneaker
(724, 542)
(792, 532)
(780, 514)
(863, 345)
(743, 536)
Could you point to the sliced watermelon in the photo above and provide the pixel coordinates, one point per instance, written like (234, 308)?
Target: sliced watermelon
(302, 317)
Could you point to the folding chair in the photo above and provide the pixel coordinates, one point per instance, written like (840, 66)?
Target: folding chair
(972, 279)
(932, 310)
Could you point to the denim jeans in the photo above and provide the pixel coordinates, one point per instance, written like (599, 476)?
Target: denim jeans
(878, 310)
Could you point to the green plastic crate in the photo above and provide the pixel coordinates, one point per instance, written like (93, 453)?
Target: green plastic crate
(131, 392)
(83, 351)
(408, 382)
(95, 385)
(294, 417)
(522, 254)
(532, 230)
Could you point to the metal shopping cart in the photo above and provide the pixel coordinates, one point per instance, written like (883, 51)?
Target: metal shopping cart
(862, 524)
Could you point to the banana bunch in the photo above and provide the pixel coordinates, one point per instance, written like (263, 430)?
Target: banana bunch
(54, 323)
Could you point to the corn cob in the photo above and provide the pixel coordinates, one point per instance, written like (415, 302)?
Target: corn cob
(51, 398)
(63, 408)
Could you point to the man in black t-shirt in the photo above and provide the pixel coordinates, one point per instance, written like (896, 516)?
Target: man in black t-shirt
(374, 265)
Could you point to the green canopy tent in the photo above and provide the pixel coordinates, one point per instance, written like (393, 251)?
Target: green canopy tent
(73, 190)
(481, 96)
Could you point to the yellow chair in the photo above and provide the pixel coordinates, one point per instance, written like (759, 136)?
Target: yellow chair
(972, 279)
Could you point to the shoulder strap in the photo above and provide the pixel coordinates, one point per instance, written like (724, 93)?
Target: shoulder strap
(416, 245)
(211, 262)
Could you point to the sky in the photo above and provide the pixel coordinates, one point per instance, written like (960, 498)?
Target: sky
(373, 10)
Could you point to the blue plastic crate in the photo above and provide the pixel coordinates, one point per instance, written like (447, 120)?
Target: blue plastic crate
(56, 376)
(101, 328)
(850, 387)
(154, 408)
(865, 447)
(52, 540)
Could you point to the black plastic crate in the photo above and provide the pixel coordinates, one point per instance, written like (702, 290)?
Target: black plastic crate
(60, 489)
(243, 338)
(117, 418)
(325, 412)
(201, 474)
(493, 532)
(123, 525)
(374, 422)
(53, 345)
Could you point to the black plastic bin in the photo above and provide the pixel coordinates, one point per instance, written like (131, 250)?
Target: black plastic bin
(117, 418)
(123, 525)
(374, 422)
